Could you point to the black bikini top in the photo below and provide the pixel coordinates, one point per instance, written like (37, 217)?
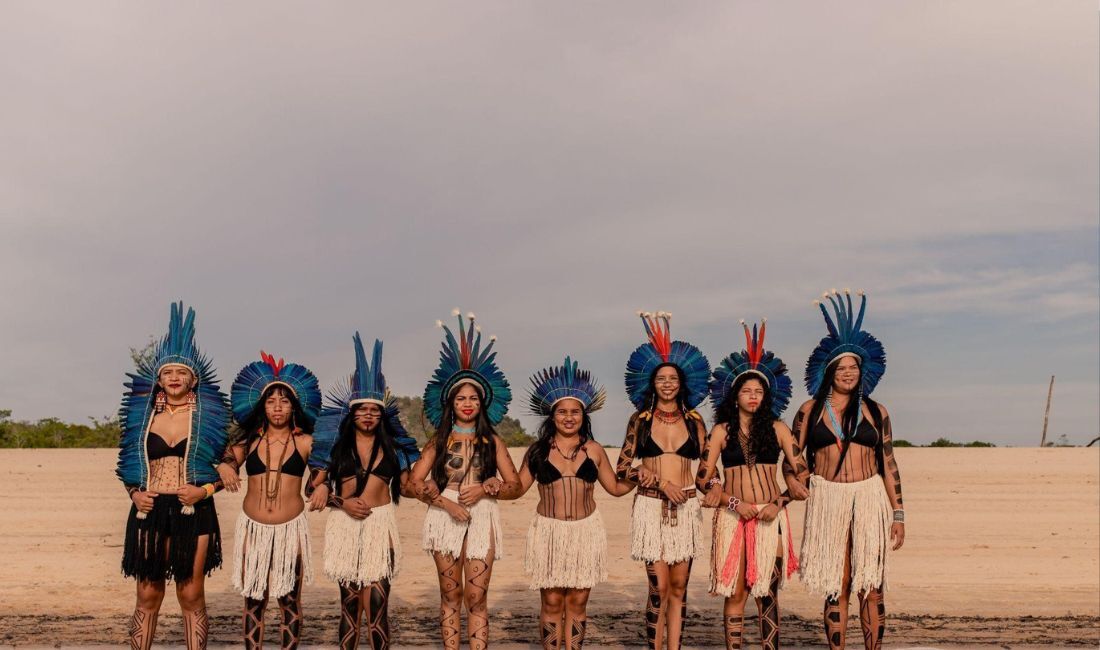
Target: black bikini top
(547, 473)
(294, 465)
(156, 447)
(689, 449)
(734, 456)
(822, 436)
(386, 469)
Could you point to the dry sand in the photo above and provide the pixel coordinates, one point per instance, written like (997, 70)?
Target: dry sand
(1003, 547)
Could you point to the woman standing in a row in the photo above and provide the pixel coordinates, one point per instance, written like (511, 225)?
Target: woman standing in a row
(457, 475)
(854, 510)
(665, 381)
(566, 552)
(174, 419)
(275, 405)
(752, 553)
(362, 456)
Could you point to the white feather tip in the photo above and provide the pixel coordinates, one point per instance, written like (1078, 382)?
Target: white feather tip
(456, 312)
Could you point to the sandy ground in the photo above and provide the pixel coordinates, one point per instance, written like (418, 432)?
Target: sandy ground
(1003, 548)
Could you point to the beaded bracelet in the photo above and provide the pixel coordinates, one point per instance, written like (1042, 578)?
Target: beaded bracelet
(733, 503)
(209, 489)
(711, 483)
(899, 516)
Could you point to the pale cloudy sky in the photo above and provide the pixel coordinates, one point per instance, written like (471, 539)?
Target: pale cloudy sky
(297, 172)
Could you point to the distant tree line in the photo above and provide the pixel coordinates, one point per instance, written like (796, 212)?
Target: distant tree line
(104, 432)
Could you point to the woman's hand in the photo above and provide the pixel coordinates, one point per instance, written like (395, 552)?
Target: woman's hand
(457, 512)
(189, 494)
(647, 477)
(231, 478)
(144, 500)
(674, 492)
(746, 510)
(492, 486)
(797, 491)
(356, 508)
(768, 512)
(428, 491)
(713, 498)
(320, 497)
(471, 494)
(897, 534)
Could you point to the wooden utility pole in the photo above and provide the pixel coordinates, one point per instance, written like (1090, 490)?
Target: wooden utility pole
(1046, 414)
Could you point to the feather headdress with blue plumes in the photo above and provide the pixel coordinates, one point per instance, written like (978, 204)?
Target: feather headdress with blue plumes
(753, 359)
(552, 385)
(209, 415)
(846, 338)
(463, 360)
(366, 385)
(256, 377)
(661, 349)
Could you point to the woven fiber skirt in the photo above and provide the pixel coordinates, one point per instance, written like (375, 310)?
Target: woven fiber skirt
(362, 551)
(655, 537)
(443, 534)
(566, 554)
(758, 540)
(833, 511)
(162, 545)
(266, 556)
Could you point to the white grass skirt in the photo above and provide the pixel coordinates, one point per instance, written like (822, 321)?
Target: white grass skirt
(566, 554)
(266, 556)
(759, 540)
(443, 534)
(832, 510)
(654, 540)
(358, 551)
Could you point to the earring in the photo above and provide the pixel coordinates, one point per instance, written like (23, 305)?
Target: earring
(160, 402)
(192, 399)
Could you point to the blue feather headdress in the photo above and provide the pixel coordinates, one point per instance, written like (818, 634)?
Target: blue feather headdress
(209, 416)
(257, 376)
(463, 360)
(551, 385)
(366, 384)
(661, 349)
(846, 338)
(753, 359)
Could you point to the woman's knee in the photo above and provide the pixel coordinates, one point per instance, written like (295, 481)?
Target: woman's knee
(475, 599)
(735, 604)
(553, 603)
(191, 596)
(150, 595)
(452, 597)
(576, 601)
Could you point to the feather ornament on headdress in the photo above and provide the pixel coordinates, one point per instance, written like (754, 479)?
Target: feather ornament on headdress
(463, 360)
(256, 377)
(753, 359)
(209, 416)
(553, 384)
(366, 385)
(846, 337)
(662, 349)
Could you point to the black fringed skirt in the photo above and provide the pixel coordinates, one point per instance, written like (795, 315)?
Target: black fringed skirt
(147, 554)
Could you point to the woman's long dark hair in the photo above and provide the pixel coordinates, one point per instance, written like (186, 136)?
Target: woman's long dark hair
(256, 422)
(645, 427)
(848, 418)
(539, 451)
(762, 438)
(485, 446)
(345, 461)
